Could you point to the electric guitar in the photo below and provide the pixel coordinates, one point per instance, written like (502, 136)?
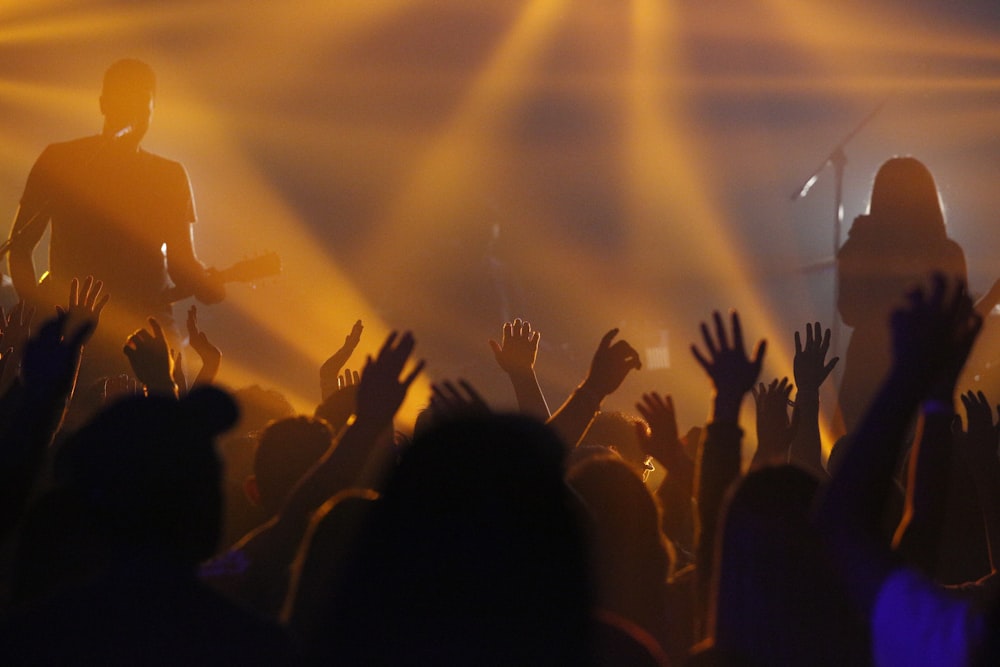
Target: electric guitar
(245, 271)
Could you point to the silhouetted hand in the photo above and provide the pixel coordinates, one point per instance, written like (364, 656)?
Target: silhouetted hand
(211, 356)
(85, 302)
(733, 374)
(149, 356)
(52, 356)
(933, 335)
(610, 365)
(348, 378)
(330, 370)
(518, 347)
(448, 402)
(810, 366)
(381, 391)
(774, 428)
(663, 441)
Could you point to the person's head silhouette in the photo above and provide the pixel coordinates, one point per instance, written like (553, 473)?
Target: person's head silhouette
(127, 100)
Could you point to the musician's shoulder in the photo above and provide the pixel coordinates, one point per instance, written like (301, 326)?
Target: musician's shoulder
(72, 149)
(162, 165)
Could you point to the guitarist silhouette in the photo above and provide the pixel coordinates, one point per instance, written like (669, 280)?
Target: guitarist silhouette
(117, 213)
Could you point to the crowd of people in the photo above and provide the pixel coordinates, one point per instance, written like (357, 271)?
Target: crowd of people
(497, 538)
(147, 519)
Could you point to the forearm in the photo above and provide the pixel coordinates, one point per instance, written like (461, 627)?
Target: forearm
(209, 370)
(807, 447)
(31, 421)
(918, 538)
(530, 399)
(849, 515)
(22, 273)
(718, 467)
(674, 494)
(353, 456)
(573, 419)
(988, 491)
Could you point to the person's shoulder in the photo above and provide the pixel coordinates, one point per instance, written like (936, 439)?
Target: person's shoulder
(159, 162)
(74, 148)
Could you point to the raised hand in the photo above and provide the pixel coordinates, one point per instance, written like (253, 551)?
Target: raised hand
(933, 335)
(381, 391)
(448, 402)
(348, 378)
(52, 356)
(211, 356)
(774, 428)
(518, 347)
(610, 365)
(515, 354)
(811, 370)
(329, 372)
(810, 366)
(733, 374)
(149, 355)
(663, 442)
(86, 302)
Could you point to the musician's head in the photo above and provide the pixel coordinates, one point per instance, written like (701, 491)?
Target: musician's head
(127, 99)
(904, 192)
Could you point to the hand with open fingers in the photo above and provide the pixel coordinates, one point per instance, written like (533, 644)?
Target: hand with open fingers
(149, 355)
(449, 401)
(86, 301)
(52, 355)
(348, 378)
(663, 441)
(732, 372)
(933, 334)
(810, 366)
(518, 347)
(774, 428)
(381, 391)
(329, 372)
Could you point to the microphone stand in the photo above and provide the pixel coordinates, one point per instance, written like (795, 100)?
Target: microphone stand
(837, 158)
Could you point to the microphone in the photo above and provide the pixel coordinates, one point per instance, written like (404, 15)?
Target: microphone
(124, 132)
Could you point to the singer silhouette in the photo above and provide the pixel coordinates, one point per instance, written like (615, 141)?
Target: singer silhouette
(117, 213)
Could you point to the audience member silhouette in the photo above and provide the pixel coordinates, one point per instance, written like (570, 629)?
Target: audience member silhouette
(473, 554)
(145, 475)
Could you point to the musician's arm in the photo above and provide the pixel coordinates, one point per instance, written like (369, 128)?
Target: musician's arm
(21, 261)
